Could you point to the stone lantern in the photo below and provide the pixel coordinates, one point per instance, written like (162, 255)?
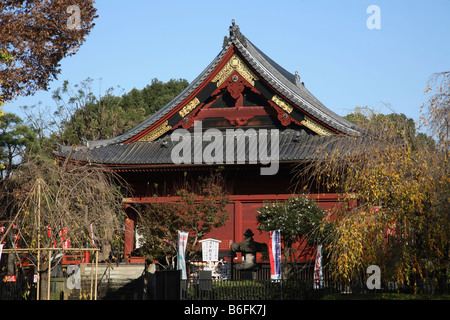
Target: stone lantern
(248, 247)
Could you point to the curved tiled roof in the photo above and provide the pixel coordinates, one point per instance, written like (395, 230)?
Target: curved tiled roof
(115, 150)
(279, 78)
(293, 145)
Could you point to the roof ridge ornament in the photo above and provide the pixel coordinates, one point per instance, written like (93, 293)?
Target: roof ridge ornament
(235, 34)
(297, 80)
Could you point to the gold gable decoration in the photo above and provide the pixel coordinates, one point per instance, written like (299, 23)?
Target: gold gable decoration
(314, 126)
(157, 132)
(307, 122)
(282, 104)
(189, 107)
(235, 64)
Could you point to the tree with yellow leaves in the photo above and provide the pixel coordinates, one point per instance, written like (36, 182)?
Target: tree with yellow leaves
(397, 191)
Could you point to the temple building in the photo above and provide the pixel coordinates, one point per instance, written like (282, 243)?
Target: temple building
(244, 94)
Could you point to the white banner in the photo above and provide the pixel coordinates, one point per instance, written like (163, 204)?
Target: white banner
(275, 255)
(318, 276)
(181, 262)
(92, 234)
(1, 249)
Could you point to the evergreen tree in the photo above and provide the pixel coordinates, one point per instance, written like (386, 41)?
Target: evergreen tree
(16, 140)
(82, 115)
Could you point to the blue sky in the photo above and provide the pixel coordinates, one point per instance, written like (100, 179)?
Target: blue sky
(342, 62)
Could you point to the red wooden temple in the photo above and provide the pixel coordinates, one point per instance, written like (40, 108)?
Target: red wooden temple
(241, 88)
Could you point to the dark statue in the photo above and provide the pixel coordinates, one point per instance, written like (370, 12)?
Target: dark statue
(248, 247)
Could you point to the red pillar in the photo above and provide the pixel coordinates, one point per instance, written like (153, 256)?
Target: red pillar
(129, 235)
(237, 221)
(237, 232)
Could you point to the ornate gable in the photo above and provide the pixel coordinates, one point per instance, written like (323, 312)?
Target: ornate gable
(234, 96)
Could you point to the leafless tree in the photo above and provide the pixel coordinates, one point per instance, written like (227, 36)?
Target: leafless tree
(53, 205)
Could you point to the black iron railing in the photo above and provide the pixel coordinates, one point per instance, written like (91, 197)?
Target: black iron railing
(260, 289)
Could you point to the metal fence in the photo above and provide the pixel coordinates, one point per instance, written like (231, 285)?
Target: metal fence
(249, 290)
(167, 285)
(300, 287)
(21, 289)
(291, 289)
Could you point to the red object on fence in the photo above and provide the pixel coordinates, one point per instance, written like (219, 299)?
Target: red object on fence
(76, 258)
(10, 279)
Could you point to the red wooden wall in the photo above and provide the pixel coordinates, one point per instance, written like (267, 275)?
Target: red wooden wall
(242, 211)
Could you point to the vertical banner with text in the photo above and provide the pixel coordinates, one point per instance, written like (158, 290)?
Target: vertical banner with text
(275, 255)
(181, 262)
(318, 276)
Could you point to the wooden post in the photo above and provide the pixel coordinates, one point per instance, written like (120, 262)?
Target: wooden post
(49, 273)
(237, 234)
(237, 221)
(38, 276)
(38, 240)
(129, 237)
(92, 278)
(96, 270)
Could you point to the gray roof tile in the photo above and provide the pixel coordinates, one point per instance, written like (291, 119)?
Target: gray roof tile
(294, 145)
